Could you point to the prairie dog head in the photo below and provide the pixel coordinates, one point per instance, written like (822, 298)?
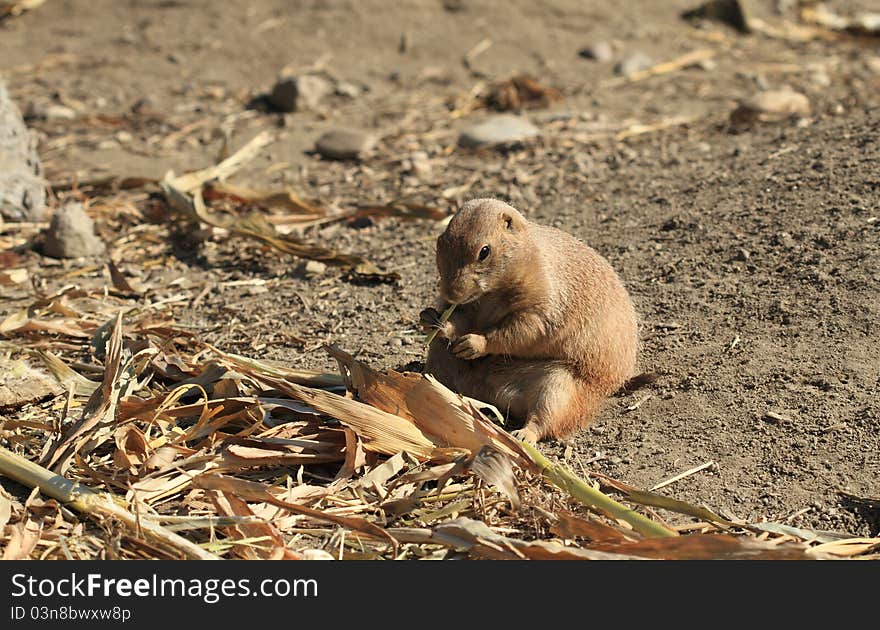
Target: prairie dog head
(479, 250)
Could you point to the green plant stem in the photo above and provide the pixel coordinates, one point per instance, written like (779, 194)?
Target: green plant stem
(580, 490)
(443, 319)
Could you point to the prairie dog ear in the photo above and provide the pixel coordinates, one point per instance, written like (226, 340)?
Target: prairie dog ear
(511, 221)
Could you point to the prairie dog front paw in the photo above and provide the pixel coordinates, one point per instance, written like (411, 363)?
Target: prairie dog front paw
(471, 346)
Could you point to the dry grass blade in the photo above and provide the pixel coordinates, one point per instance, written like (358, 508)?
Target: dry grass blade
(191, 182)
(401, 210)
(254, 491)
(449, 421)
(847, 548)
(89, 501)
(280, 200)
(230, 505)
(651, 499)
(254, 225)
(22, 540)
(687, 59)
(569, 526)
(381, 432)
(439, 413)
(119, 281)
(807, 535)
(496, 470)
(481, 541)
(309, 378)
(69, 379)
(104, 413)
(707, 547)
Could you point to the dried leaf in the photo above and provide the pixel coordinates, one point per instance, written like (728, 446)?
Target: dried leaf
(495, 469)
(846, 548)
(131, 447)
(519, 92)
(68, 378)
(110, 390)
(570, 526)
(5, 511)
(230, 505)
(22, 540)
(807, 535)
(20, 384)
(119, 280)
(253, 491)
(440, 414)
(706, 547)
(11, 277)
(401, 210)
(280, 200)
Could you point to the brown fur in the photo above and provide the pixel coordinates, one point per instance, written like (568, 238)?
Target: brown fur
(543, 327)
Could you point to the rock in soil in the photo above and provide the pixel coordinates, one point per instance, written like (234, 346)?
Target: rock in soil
(345, 144)
(48, 111)
(71, 234)
(771, 105)
(636, 62)
(22, 187)
(299, 93)
(599, 51)
(502, 129)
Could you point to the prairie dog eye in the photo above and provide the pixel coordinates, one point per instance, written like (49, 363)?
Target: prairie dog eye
(484, 252)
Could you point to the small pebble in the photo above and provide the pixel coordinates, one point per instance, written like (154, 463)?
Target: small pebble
(501, 129)
(348, 89)
(771, 105)
(636, 62)
(599, 51)
(873, 64)
(49, 111)
(311, 268)
(345, 144)
(299, 93)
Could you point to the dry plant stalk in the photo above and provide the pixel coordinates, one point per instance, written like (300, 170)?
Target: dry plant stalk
(90, 501)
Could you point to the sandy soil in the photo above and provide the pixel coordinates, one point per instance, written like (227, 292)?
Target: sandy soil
(751, 253)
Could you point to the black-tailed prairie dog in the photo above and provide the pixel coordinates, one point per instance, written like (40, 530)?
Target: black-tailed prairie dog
(543, 327)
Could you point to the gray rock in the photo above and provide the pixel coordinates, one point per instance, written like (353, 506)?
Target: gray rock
(22, 187)
(772, 105)
(636, 62)
(599, 51)
(348, 89)
(48, 111)
(418, 163)
(71, 234)
(501, 129)
(298, 93)
(345, 144)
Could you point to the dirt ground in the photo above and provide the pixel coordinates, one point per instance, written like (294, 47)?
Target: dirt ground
(751, 253)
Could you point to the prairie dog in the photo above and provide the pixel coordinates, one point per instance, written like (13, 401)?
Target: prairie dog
(543, 327)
